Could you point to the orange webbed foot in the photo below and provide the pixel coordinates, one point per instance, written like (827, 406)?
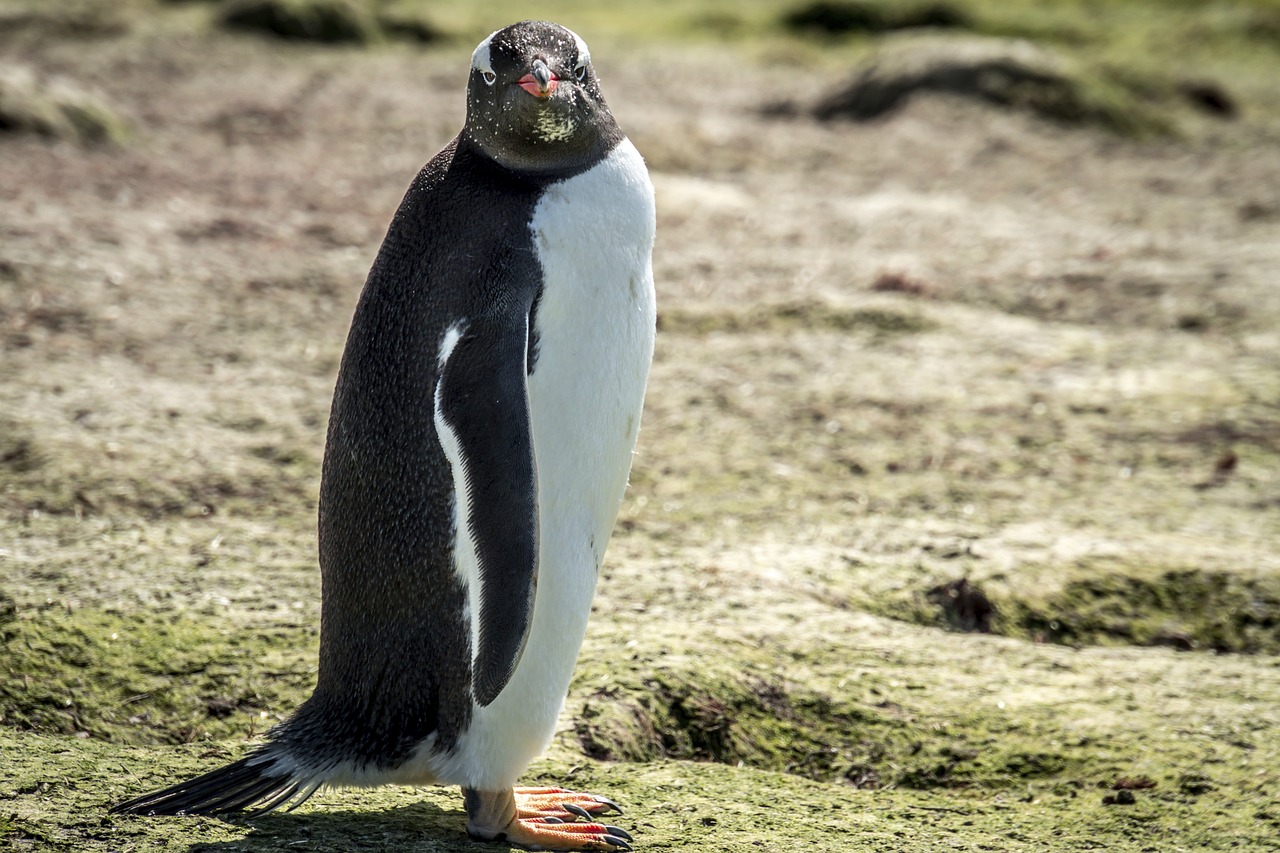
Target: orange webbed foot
(544, 819)
(561, 803)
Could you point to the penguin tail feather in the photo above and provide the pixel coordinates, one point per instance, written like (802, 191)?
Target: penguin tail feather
(255, 784)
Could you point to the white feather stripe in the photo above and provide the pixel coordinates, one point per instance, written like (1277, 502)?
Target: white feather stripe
(465, 563)
(584, 53)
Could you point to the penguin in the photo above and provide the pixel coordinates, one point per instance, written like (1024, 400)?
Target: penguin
(483, 423)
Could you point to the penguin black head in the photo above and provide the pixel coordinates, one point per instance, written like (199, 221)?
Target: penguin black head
(533, 101)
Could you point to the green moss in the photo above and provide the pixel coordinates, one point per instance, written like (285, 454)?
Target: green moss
(148, 677)
(756, 735)
(727, 711)
(739, 708)
(1182, 608)
(1113, 603)
(868, 750)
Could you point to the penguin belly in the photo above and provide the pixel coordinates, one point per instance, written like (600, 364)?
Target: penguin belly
(594, 332)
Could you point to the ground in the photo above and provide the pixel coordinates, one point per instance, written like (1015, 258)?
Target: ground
(953, 520)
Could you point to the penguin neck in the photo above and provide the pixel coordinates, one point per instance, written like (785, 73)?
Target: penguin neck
(541, 170)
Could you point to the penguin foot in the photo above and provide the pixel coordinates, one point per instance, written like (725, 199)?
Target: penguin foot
(543, 819)
(561, 803)
(539, 834)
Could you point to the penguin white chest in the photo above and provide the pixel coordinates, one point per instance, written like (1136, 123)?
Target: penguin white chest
(594, 326)
(594, 329)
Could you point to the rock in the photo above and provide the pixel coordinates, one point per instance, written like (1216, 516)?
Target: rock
(55, 108)
(331, 21)
(1008, 72)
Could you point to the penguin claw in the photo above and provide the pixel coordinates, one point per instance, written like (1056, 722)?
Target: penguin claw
(576, 810)
(538, 834)
(558, 819)
(605, 801)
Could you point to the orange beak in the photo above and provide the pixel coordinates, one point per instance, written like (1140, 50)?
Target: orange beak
(540, 82)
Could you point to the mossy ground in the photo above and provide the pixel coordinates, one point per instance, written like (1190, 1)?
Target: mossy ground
(956, 343)
(883, 737)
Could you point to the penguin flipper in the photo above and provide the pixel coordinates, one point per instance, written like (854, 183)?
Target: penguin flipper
(245, 785)
(482, 415)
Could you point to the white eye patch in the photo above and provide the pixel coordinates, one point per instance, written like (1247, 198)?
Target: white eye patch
(584, 53)
(480, 60)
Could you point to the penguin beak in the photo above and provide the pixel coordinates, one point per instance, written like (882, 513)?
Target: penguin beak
(541, 81)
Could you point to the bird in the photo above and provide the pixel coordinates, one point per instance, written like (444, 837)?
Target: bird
(484, 420)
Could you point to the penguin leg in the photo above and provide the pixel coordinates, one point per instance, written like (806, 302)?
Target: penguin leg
(542, 819)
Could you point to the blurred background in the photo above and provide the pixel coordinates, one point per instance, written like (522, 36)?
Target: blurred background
(953, 523)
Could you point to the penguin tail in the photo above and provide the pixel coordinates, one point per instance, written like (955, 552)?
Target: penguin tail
(256, 784)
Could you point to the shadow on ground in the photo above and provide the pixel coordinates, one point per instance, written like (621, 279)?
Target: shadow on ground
(422, 827)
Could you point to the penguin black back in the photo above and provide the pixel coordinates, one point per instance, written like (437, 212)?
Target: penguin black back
(379, 562)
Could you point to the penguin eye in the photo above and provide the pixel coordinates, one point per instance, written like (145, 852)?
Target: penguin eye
(489, 77)
(580, 71)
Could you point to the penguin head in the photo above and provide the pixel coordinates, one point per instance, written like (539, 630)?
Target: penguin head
(533, 101)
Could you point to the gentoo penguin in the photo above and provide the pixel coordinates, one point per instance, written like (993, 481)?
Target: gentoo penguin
(483, 423)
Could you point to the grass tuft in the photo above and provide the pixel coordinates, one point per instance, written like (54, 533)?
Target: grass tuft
(56, 109)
